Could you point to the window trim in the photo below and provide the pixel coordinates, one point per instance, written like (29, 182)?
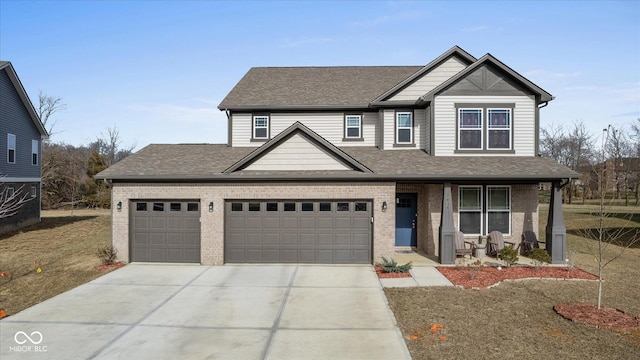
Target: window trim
(34, 191)
(254, 127)
(35, 155)
(346, 128)
(485, 107)
(460, 128)
(484, 208)
(396, 128)
(10, 193)
(509, 129)
(9, 148)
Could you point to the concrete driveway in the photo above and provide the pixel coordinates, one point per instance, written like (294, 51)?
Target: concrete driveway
(147, 311)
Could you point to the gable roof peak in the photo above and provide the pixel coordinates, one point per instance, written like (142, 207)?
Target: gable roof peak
(22, 93)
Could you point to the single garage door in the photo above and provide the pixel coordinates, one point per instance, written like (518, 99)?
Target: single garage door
(165, 231)
(300, 231)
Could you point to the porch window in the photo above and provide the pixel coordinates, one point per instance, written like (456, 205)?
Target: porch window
(499, 209)
(34, 152)
(470, 129)
(353, 126)
(404, 128)
(470, 209)
(261, 127)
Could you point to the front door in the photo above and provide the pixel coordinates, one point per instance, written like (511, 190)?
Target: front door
(406, 216)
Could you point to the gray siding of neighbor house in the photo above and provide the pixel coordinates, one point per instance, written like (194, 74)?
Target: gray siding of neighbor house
(14, 119)
(28, 214)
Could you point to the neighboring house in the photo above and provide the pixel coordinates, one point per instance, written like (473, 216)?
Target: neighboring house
(346, 165)
(21, 135)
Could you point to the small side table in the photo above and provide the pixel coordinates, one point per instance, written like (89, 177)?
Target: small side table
(479, 250)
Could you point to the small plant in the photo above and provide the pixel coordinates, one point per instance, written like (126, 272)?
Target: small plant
(391, 266)
(509, 255)
(539, 257)
(107, 254)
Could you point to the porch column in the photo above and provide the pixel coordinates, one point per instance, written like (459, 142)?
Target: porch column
(447, 251)
(556, 232)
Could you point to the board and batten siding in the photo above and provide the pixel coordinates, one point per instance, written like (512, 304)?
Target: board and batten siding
(15, 119)
(445, 119)
(430, 80)
(297, 153)
(420, 129)
(329, 125)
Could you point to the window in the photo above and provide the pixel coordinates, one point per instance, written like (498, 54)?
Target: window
(192, 206)
(325, 206)
(485, 126)
(470, 127)
(141, 206)
(11, 192)
(499, 129)
(343, 206)
(353, 126)
(34, 191)
(175, 207)
(289, 206)
(404, 128)
(254, 206)
(307, 206)
(34, 152)
(499, 209)
(158, 206)
(470, 210)
(361, 206)
(236, 206)
(272, 206)
(261, 127)
(479, 215)
(11, 148)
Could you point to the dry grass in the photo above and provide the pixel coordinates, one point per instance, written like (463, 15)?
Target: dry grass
(63, 246)
(516, 319)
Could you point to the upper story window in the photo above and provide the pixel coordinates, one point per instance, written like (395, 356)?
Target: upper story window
(34, 152)
(261, 127)
(404, 127)
(11, 148)
(353, 126)
(485, 127)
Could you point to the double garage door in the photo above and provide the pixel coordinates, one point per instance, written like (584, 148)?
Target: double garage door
(302, 231)
(273, 231)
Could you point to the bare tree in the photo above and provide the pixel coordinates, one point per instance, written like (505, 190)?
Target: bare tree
(611, 230)
(109, 146)
(47, 106)
(635, 135)
(11, 200)
(619, 149)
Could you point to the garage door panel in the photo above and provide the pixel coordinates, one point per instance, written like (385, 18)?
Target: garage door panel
(321, 231)
(165, 231)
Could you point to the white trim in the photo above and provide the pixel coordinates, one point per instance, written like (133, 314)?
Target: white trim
(9, 148)
(6, 179)
(256, 117)
(35, 145)
(480, 129)
(480, 210)
(487, 211)
(410, 127)
(506, 129)
(347, 127)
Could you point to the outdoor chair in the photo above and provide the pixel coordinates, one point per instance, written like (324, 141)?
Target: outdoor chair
(495, 243)
(530, 242)
(461, 249)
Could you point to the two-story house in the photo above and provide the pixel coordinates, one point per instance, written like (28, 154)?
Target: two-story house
(345, 165)
(21, 135)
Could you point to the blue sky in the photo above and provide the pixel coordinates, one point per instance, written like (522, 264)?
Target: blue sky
(157, 70)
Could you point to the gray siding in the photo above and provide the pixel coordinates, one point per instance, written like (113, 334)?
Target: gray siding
(14, 119)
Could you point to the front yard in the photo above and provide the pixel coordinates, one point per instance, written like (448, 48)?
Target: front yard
(63, 246)
(516, 319)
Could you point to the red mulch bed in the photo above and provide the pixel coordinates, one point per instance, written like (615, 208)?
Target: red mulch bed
(471, 277)
(608, 318)
(111, 267)
(386, 275)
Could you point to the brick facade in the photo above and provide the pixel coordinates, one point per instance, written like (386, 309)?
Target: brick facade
(212, 223)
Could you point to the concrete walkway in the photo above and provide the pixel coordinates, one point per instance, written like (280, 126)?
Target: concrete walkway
(224, 312)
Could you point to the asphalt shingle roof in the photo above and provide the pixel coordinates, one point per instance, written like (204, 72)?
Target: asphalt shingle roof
(299, 87)
(207, 162)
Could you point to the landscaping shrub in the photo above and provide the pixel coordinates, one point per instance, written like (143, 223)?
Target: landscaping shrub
(539, 256)
(509, 255)
(107, 254)
(391, 266)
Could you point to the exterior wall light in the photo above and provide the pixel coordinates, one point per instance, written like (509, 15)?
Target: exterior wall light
(384, 206)
(119, 206)
(211, 206)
